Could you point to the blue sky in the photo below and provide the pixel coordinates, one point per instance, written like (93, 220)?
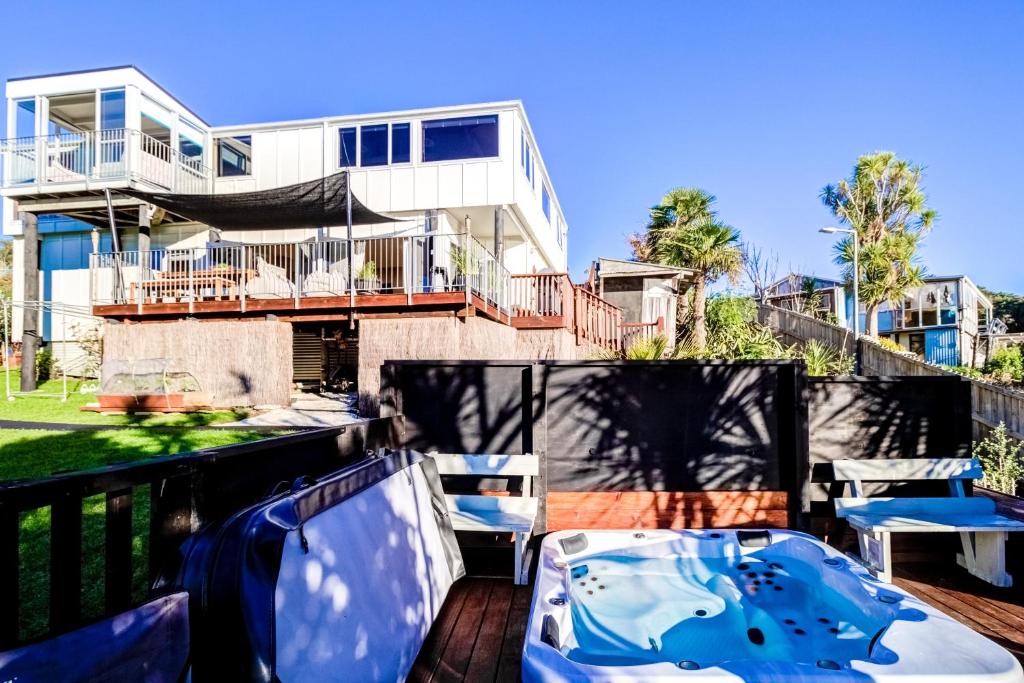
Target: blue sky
(760, 103)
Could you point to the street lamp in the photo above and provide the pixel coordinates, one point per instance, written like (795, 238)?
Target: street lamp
(856, 276)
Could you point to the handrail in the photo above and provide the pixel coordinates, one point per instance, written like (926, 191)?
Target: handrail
(105, 155)
(299, 271)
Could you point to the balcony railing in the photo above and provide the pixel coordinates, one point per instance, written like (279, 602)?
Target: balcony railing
(106, 155)
(552, 300)
(299, 271)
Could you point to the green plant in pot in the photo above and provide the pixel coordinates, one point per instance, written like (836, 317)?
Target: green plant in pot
(366, 277)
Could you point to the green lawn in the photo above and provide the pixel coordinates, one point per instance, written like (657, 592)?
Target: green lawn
(40, 453)
(36, 408)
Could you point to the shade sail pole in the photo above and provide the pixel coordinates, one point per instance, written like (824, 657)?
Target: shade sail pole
(348, 225)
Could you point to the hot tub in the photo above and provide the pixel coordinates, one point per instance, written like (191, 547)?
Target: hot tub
(723, 605)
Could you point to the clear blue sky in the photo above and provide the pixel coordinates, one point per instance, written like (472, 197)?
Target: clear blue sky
(760, 103)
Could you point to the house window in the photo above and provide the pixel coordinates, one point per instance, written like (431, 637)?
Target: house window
(373, 149)
(234, 156)
(111, 109)
(346, 147)
(545, 202)
(25, 118)
(190, 140)
(400, 143)
(471, 137)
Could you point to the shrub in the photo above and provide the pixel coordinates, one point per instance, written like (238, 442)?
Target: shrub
(1006, 365)
(965, 370)
(889, 345)
(1001, 460)
(44, 364)
(647, 348)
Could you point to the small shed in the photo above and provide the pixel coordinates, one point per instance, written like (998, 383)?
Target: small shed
(647, 293)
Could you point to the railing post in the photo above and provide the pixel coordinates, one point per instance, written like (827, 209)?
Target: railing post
(243, 278)
(351, 281)
(297, 275)
(407, 269)
(139, 292)
(191, 284)
(468, 262)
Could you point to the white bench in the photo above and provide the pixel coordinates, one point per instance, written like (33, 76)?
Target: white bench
(982, 531)
(511, 514)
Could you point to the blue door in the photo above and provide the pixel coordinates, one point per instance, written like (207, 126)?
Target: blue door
(940, 346)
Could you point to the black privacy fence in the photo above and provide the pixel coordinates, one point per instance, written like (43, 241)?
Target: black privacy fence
(687, 426)
(80, 546)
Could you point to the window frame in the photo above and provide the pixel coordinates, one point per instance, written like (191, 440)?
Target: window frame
(423, 142)
(217, 157)
(355, 153)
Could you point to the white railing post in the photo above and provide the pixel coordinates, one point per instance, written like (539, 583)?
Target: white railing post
(407, 269)
(351, 279)
(297, 274)
(139, 292)
(467, 261)
(244, 277)
(191, 284)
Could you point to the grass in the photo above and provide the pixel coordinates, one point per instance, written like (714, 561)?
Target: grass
(38, 408)
(26, 454)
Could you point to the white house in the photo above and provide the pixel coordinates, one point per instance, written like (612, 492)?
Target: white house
(468, 205)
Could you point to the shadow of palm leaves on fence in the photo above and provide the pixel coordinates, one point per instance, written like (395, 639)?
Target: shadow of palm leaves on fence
(667, 427)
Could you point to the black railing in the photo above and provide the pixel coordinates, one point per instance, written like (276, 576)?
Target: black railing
(185, 492)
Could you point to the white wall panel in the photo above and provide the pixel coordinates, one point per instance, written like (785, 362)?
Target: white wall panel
(426, 187)
(403, 186)
(378, 190)
(449, 185)
(474, 184)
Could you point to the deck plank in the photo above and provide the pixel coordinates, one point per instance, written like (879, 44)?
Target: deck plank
(511, 662)
(440, 632)
(454, 659)
(483, 663)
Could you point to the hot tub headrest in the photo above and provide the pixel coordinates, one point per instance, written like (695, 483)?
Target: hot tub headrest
(755, 538)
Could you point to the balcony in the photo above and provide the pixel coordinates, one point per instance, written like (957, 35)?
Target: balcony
(551, 300)
(94, 160)
(302, 280)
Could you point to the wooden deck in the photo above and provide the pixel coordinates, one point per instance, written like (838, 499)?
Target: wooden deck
(478, 636)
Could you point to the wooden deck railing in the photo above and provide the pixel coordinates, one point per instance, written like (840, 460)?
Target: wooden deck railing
(551, 300)
(545, 297)
(184, 492)
(632, 332)
(597, 321)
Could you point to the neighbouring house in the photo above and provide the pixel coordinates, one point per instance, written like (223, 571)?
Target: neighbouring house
(648, 294)
(947, 320)
(425, 233)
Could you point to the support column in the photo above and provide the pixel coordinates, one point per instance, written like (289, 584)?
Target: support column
(30, 297)
(499, 234)
(145, 221)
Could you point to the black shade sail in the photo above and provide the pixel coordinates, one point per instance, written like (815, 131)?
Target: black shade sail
(313, 204)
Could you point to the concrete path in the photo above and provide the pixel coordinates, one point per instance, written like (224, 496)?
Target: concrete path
(307, 410)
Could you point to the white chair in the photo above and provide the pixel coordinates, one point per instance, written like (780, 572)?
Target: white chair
(512, 514)
(982, 531)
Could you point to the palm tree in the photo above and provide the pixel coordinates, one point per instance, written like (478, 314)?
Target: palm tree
(709, 247)
(884, 203)
(678, 209)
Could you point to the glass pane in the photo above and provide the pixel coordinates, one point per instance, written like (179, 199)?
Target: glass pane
(400, 143)
(111, 109)
(189, 148)
(545, 202)
(347, 147)
(472, 137)
(25, 119)
(234, 156)
(374, 148)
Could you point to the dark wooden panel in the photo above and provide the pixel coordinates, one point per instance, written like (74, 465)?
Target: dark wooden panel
(170, 521)
(486, 655)
(882, 418)
(65, 561)
(454, 659)
(679, 426)
(118, 574)
(9, 580)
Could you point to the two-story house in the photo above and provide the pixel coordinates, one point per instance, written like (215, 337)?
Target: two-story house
(354, 230)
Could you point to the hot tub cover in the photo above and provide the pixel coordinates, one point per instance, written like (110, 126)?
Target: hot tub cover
(312, 204)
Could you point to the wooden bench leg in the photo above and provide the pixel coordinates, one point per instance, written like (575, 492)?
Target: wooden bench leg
(877, 552)
(987, 558)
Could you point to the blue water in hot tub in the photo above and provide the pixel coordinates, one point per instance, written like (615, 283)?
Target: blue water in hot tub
(706, 611)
